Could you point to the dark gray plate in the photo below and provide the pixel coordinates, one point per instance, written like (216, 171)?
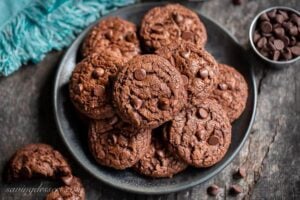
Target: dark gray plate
(225, 49)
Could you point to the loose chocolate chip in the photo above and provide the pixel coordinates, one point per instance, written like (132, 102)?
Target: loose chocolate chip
(188, 36)
(262, 42)
(240, 173)
(256, 36)
(279, 45)
(97, 73)
(223, 86)
(203, 73)
(235, 189)
(178, 18)
(276, 26)
(287, 25)
(279, 18)
(293, 30)
(237, 2)
(266, 27)
(98, 90)
(163, 104)
(213, 140)
(264, 17)
(213, 190)
(185, 54)
(276, 55)
(293, 41)
(264, 53)
(271, 46)
(272, 14)
(137, 103)
(202, 113)
(296, 19)
(140, 74)
(279, 32)
(287, 54)
(295, 50)
(267, 35)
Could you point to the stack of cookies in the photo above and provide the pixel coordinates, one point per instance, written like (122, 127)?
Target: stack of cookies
(156, 101)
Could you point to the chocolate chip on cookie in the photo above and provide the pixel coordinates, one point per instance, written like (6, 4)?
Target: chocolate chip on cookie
(159, 162)
(148, 91)
(38, 160)
(115, 36)
(74, 190)
(172, 23)
(116, 144)
(231, 91)
(90, 85)
(200, 135)
(197, 65)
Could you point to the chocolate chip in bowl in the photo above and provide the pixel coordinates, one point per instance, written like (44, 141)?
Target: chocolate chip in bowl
(275, 36)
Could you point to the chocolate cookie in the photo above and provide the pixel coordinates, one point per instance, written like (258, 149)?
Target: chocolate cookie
(73, 191)
(198, 68)
(231, 91)
(159, 162)
(113, 35)
(90, 85)
(38, 160)
(172, 23)
(148, 91)
(116, 144)
(200, 135)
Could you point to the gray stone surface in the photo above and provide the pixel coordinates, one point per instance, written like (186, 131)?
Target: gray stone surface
(271, 153)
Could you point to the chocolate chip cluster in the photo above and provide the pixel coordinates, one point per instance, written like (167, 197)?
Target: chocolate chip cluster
(277, 35)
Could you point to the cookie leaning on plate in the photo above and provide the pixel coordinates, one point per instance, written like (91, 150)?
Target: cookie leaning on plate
(200, 135)
(90, 85)
(113, 35)
(159, 162)
(116, 144)
(172, 23)
(148, 91)
(231, 91)
(199, 69)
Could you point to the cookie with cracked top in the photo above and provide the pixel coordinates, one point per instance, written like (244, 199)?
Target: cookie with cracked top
(159, 162)
(231, 91)
(90, 85)
(172, 23)
(115, 36)
(148, 91)
(198, 68)
(36, 161)
(117, 144)
(200, 135)
(74, 190)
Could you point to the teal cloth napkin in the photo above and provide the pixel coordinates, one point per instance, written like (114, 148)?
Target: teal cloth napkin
(31, 28)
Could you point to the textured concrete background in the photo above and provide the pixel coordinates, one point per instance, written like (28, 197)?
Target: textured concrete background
(271, 153)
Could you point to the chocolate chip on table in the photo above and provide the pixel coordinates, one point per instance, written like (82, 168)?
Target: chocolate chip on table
(240, 173)
(235, 189)
(213, 190)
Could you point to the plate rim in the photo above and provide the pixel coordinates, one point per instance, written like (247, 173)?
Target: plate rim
(136, 189)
